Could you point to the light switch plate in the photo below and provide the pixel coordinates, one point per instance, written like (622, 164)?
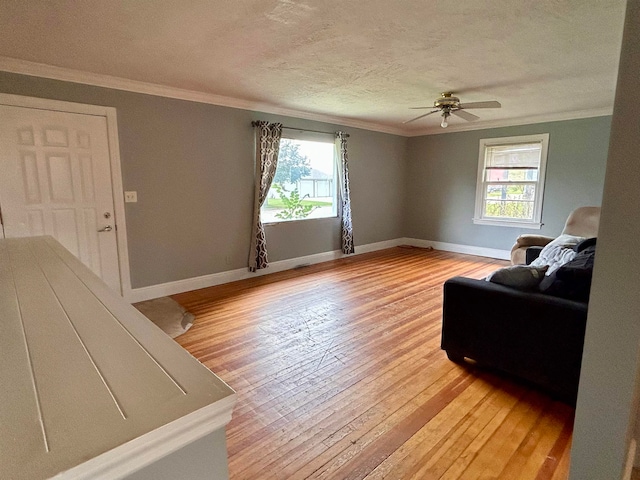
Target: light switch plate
(130, 197)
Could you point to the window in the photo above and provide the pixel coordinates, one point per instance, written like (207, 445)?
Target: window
(304, 185)
(511, 181)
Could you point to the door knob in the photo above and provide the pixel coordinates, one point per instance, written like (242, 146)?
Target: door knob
(108, 228)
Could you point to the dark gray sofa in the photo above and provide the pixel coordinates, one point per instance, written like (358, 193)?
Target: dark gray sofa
(530, 335)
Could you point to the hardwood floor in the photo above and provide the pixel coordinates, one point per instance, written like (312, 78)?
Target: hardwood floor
(339, 374)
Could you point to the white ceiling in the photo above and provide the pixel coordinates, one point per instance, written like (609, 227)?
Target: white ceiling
(360, 63)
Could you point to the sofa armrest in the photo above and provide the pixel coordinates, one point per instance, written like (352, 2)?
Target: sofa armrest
(528, 334)
(523, 242)
(530, 240)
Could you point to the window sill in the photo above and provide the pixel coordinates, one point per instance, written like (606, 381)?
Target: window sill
(280, 222)
(507, 223)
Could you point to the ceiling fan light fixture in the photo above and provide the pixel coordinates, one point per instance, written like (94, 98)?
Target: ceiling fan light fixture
(444, 122)
(447, 104)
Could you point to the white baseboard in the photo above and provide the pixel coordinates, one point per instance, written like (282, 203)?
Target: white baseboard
(179, 286)
(459, 248)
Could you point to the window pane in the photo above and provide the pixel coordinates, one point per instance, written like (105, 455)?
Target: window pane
(507, 209)
(511, 191)
(303, 186)
(511, 175)
(306, 187)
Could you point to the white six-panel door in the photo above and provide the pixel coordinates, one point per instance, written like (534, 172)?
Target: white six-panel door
(55, 179)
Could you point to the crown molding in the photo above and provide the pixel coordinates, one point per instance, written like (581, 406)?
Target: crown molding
(551, 117)
(25, 67)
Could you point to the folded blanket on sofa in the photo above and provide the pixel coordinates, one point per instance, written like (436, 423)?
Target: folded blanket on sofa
(557, 252)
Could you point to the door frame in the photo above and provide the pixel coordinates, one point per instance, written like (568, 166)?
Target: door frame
(114, 158)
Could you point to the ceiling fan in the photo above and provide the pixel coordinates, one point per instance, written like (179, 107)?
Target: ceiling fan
(447, 104)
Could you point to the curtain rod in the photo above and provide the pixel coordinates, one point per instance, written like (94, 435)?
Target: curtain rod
(312, 131)
(305, 130)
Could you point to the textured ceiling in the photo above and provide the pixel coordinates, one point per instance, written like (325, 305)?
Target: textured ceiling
(364, 62)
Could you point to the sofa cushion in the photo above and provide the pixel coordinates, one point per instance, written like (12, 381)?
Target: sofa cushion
(572, 280)
(584, 244)
(522, 277)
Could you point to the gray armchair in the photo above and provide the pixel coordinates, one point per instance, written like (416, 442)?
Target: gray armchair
(582, 222)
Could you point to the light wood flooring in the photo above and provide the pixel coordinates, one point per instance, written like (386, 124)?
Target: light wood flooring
(340, 375)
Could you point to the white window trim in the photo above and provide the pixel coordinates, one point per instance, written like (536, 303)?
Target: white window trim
(536, 223)
(311, 136)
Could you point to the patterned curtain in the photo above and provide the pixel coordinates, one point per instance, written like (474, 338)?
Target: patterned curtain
(343, 171)
(267, 147)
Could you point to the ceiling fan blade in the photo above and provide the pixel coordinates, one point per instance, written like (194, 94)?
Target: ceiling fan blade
(420, 108)
(469, 117)
(421, 116)
(491, 104)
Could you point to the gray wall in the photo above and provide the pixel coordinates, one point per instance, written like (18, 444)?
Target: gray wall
(204, 459)
(608, 395)
(192, 166)
(442, 172)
